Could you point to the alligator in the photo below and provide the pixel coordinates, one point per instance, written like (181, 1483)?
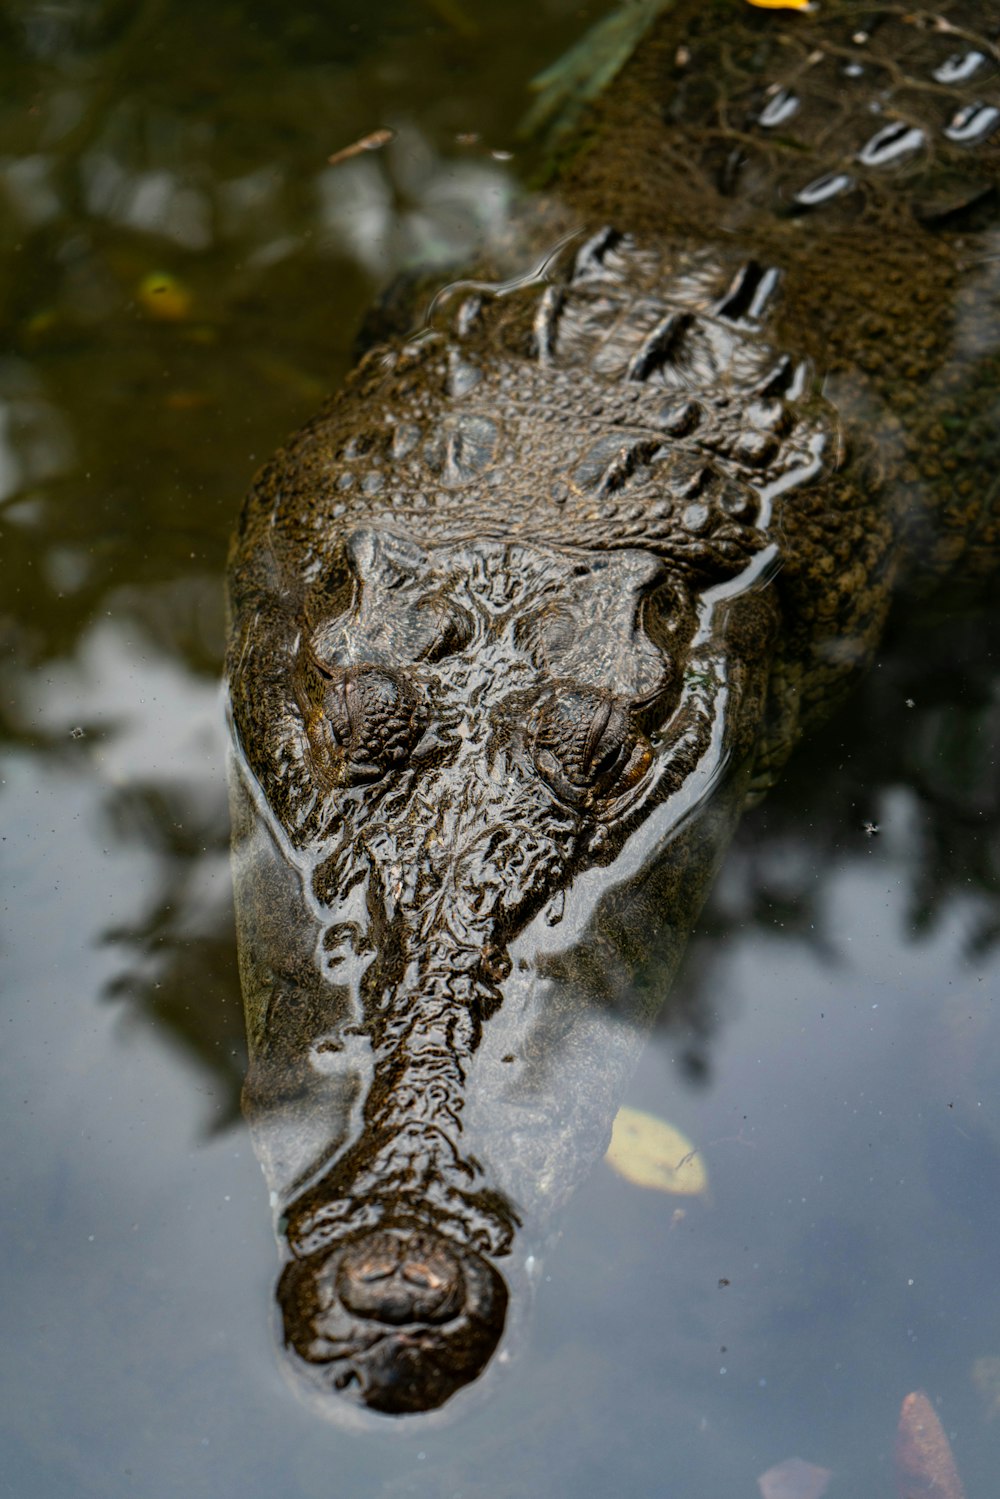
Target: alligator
(545, 594)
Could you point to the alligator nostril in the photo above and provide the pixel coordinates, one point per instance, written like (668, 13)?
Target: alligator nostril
(375, 1269)
(422, 1275)
(385, 1277)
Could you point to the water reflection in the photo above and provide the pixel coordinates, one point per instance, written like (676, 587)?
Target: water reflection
(409, 208)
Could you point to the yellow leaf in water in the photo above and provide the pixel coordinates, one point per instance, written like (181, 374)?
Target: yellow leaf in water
(454, 16)
(651, 1153)
(164, 297)
(780, 4)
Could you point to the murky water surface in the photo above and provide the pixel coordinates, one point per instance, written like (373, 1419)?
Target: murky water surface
(181, 277)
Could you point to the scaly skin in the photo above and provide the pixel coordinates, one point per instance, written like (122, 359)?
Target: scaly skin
(542, 595)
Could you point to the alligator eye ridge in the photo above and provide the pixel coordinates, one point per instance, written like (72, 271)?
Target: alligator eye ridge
(587, 746)
(365, 723)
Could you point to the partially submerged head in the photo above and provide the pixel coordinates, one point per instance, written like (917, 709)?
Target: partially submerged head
(463, 731)
(499, 622)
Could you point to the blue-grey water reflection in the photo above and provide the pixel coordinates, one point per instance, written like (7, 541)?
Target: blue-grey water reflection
(834, 1050)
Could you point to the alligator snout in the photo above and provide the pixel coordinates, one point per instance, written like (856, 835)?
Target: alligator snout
(397, 1319)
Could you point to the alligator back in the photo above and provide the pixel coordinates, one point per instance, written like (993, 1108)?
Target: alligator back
(854, 149)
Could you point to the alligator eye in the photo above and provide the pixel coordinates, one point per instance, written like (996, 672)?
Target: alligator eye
(365, 723)
(587, 747)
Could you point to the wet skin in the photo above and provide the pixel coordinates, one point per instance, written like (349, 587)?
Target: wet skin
(541, 597)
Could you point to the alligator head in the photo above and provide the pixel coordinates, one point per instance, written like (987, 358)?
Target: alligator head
(467, 730)
(470, 732)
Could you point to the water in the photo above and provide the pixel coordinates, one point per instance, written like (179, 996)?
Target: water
(833, 1047)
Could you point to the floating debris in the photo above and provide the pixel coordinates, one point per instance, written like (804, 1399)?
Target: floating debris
(780, 4)
(373, 142)
(40, 323)
(650, 1153)
(187, 400)
(925, 1467)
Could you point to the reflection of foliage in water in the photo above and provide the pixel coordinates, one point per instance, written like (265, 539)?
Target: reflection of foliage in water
(911, 757)
(125, 441)
(190, 140)
(906, 768)
(179, 962)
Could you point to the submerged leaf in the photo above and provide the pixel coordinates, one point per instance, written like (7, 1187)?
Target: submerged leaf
(794, 1479)
(780, 4)
(651, 1153)
(925, 1467)
(164, 297)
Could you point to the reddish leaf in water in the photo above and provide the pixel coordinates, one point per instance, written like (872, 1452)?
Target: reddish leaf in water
(925, 1468)
(794, 1479)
